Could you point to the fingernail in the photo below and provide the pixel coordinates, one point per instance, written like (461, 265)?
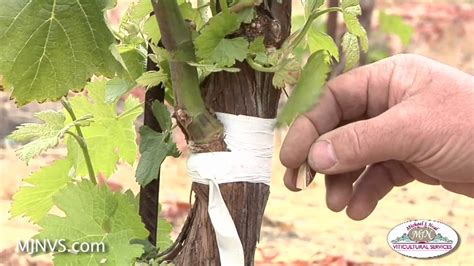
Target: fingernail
(290, 178)
(322, 155)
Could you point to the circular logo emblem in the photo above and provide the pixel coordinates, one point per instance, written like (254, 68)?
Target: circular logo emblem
(423, 239)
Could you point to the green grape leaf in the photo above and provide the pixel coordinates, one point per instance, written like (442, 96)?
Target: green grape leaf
(257, 46)
(140, 9)
(152, 78)
(48, 48)
(40, 137)
(116, 88)
(247, 15)
(356, 29)
(205, 70)
(308, 89)
(311, 5)
(131, 29)
(228, 51)
(350, 46)
(288, 74)
(152, 29)
(350, 11)
(95, 214)
(394, 24)
(36, 199)
(159, 54)
(134, 59)
(318, 40)
(154, 147)
(163, 232)
(297, 22)
(191, 14)
(213, 68)
(111, 136)
(162, 115)
(351, 6)
(214, 48)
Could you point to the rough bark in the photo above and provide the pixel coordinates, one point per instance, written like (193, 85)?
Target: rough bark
(247, 93)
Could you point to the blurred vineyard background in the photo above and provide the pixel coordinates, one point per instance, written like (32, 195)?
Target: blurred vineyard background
(298, 229)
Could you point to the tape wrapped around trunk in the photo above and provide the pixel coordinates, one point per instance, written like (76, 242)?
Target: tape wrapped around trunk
(249, 159)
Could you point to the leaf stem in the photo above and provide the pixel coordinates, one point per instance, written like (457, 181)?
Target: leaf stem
(130, 110)
(223, 5)
(308, 24)
(260, 68)
(80, 140)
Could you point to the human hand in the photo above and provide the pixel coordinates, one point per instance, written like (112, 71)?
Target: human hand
(406, 117)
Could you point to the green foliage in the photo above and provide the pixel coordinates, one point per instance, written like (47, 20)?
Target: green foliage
(138, 22)
(213, 46)
(95, 214)
(205, 69)
(134, 59)
(257, 46)
(306, 92)
(351, 9)
(43, 185)
(350, 46)
(259, 51)
(287, 74)
(162, 115)
(152, 30)
(116, 88)
(318, 40)
(191, 14)
(163, 232)
(105, 151)
(137, 25)
(153, 78)
(141, 9)
(48, 48)
(393, 24)
(43, 136)
(155, 146)
(311, 5)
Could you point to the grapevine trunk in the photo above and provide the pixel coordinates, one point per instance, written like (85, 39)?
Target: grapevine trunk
(247, 93)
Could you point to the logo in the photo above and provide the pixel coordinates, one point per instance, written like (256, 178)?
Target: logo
(423, 239)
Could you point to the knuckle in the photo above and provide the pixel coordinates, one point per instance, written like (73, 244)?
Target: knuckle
(356, 134)
(407, 59)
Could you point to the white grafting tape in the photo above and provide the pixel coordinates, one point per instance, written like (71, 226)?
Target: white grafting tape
(250, 141)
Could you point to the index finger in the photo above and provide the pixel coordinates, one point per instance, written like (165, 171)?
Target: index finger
(356, 94)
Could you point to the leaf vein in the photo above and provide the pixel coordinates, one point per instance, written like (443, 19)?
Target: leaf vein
(16, 17)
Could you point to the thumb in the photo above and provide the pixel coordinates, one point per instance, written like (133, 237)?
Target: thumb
(356, 145)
